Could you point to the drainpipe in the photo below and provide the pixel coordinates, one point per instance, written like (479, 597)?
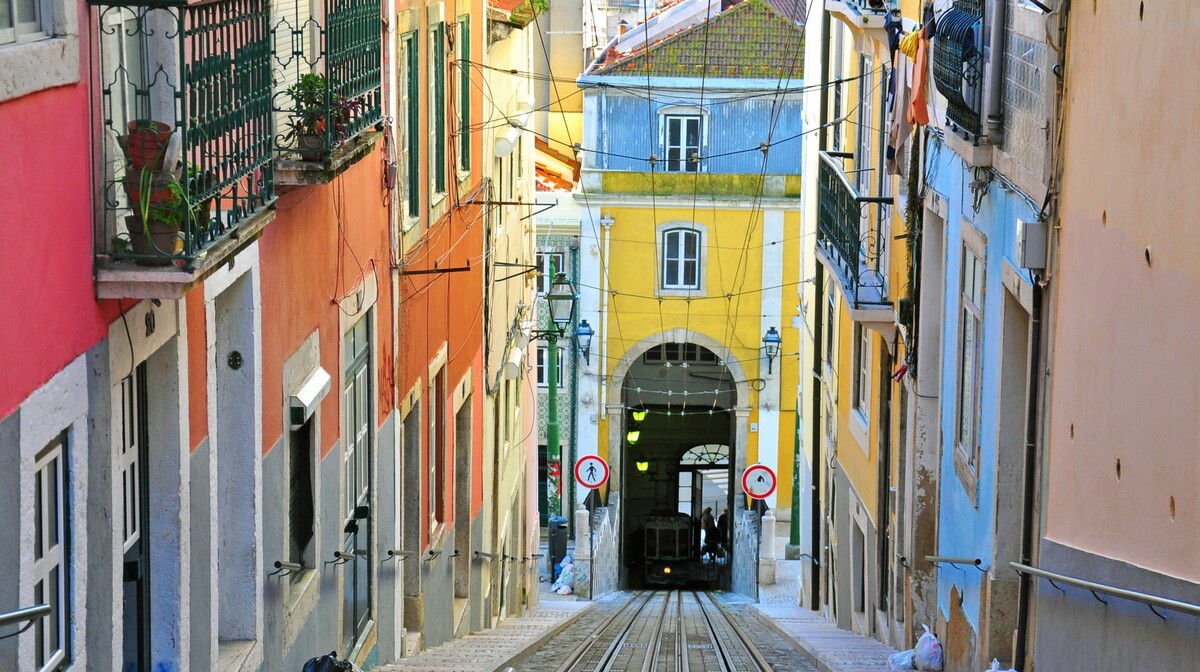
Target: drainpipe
(816, 514)
(994, 93)
(1031, 431)
(606, 222)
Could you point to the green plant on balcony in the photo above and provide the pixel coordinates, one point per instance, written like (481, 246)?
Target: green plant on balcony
(164, 208)
(313, 121)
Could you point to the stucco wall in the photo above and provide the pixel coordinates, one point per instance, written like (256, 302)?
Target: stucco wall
(1125, 388)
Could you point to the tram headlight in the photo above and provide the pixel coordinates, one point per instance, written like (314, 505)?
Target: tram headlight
(667, 570)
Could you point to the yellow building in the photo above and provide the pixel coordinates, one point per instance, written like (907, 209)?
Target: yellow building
(689, 255)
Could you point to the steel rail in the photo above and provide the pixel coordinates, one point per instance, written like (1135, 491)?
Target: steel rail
(650, 660)
(569, 665)
(1147, 599)
(722, 649)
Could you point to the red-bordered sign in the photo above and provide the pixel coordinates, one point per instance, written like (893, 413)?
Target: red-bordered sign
(759, 481)
(591, 471)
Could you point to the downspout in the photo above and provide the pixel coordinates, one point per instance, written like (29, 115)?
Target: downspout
(995, 89)
(818, 348)
(1031, 431)
(606, 223)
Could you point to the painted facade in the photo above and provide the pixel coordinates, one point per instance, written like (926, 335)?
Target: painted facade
(1117, 509)
(682, 336)
(228, 417)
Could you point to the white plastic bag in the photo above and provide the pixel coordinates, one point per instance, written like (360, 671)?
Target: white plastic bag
(902, 660)
(928, 654)
(996, 667)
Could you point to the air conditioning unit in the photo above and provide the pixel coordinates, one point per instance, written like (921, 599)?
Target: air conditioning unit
(1031, 244)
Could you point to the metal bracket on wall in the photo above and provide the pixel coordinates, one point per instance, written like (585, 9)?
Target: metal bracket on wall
(435, 269)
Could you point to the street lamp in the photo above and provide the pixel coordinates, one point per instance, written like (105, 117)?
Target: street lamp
(561, 302)
(771, 341)
(583, 338)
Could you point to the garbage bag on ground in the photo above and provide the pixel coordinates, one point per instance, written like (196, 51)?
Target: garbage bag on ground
(902, 660)
(996, 667)
(328, 663)
(928, 654)
(565, 580)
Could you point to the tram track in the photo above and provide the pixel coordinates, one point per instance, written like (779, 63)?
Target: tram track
(667, 631)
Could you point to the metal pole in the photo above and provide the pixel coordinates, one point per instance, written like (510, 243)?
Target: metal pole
(553, 454)
(794, 531)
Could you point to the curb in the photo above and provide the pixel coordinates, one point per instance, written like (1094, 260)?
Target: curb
(779, 630)
(520, 656)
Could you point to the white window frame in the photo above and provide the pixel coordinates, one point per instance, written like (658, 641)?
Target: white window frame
(684, 116)
(543, 374)
(438, 109)
(27, 31)
(50, 555)
(543, 263)
(679, 288)
(968, 385)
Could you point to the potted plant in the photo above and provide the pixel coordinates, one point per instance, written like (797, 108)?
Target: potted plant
(315, 128)
(147, 143)
(162, 207)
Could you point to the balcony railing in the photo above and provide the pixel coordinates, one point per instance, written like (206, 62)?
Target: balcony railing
(328, 67)
(184, 133)
(958, 63)
(841, 239)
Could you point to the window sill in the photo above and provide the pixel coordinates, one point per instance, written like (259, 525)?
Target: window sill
(238, 655)
(29, 67)
(689, 292)
(302, 600)
(967, 475)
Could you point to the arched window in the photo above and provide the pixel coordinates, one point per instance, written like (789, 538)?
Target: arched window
(707, 455)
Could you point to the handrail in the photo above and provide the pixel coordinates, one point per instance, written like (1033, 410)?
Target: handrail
(948, 560)
(27, 614)
(1145, 598)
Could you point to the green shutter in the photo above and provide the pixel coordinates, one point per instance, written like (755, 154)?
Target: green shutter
(413, 65)
(464, 98)
(439, 109)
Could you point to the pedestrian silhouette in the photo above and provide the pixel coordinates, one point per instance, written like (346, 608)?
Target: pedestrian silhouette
(591, 471)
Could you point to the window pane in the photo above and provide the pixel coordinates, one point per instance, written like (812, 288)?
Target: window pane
(26, 11)
(672, 132)
(52, 504)
(693, 133)
(5, 15)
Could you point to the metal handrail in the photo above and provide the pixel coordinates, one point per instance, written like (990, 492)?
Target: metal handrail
(26, 614)
(1147, 599)
(948, 560)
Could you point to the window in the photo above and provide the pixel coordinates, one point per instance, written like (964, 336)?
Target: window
(860, 394)
(464, 93)
(830, 324)
(682, 142)
(437, 450)
(22, 21)
(543, 374)
(300, 498)
(49, 555)
(969, 351)
(545, 274)
(412, 126)
(681, 259)
(677, 353)
(836, 74)
(437, 107)
(867, 126)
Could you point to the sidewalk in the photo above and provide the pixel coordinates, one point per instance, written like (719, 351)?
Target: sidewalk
(497, 648)
(830, 648)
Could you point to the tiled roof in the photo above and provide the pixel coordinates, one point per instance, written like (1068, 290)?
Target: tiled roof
(750, 39)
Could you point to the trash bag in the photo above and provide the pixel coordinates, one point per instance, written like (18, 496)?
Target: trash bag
(928, 654)
(902, 660)
(328, 663)
(996, 667)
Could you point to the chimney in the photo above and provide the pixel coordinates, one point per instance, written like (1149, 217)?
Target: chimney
(622, 27)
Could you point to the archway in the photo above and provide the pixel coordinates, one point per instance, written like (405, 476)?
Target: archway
(676, 441)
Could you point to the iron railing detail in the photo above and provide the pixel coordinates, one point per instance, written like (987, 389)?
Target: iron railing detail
(328, 75)
(958, 63)
(849, 246)
(185, 127)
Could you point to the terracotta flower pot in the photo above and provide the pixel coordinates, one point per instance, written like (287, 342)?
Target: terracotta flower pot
(154, 242)
(147, 143)
(311, 147)
(158, 184)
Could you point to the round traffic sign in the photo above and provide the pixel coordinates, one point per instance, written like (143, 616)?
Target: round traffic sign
(591, 471)
(759, 481)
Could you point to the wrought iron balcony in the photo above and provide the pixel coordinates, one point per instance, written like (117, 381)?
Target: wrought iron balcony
(328, 88)
(844, 245)
(958, 64)
(184, 138)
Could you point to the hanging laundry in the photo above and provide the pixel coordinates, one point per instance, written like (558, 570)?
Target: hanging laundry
(899, 127)
(908, 44)
(918, 109)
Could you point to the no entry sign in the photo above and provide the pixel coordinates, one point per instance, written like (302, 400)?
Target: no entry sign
(759, 481)
(591, 471)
